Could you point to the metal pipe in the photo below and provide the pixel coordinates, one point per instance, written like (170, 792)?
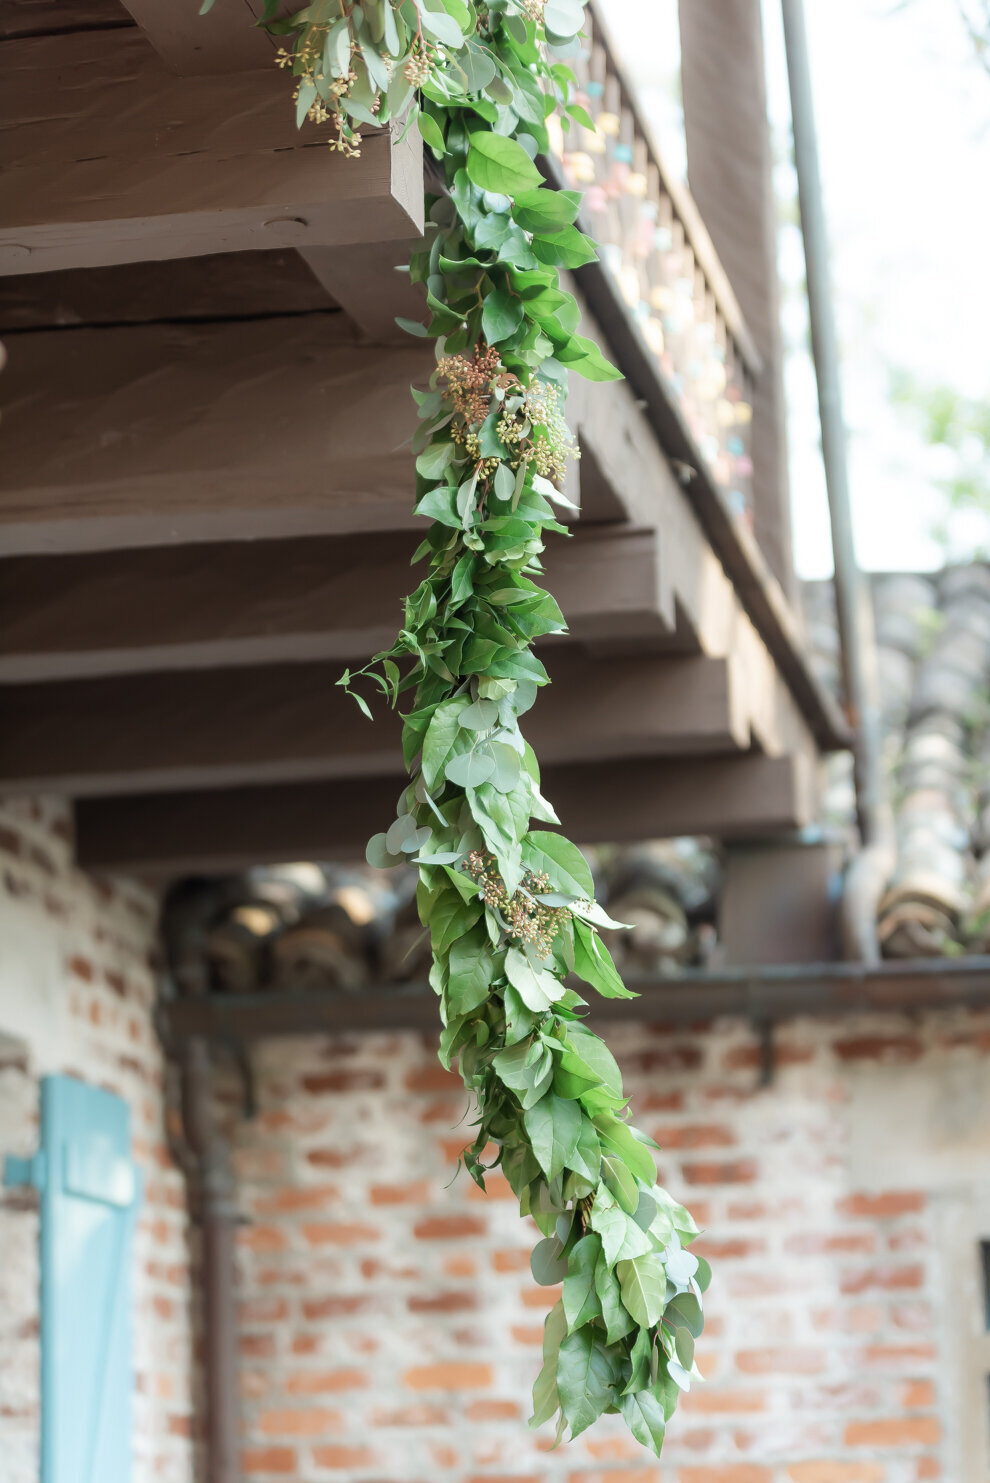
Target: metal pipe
(870, 873)
(186, 918)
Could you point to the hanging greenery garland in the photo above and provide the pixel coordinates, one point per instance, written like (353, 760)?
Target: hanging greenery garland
(510, 908)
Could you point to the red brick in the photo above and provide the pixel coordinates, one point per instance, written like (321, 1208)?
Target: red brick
(366, 1079)
(900, 1431)
(321, 1382)
(750, 1057)
(347, 1234)
(668, 1058)
(615, 1475)
(416, 1193)
(412, 1416)
(836, 1472)
(514, 1260)
(731, 1472)
(780, 1361)
(443, 1302)
(448, 1377)
(493, 1411)
(308, 1423)
(262, 1238)
(928, 1467)
(508, 1478)
(816, 1243)
(897, 1048)
(732, 1171)
(497, 1187)
(864, 1279)
(332, 1158)
(887, 1356)
(707, 1402)
(539, 1297)
(918, 1395)
(732, 1248)
(284, 1201)
(660, 1102)
(521, 1334)
(336, 1306)
(883, 1207)
(269, 1460)
(449, 1227)
(81, 968)
(433, 1079)
(343, 1457)
(694, 1135)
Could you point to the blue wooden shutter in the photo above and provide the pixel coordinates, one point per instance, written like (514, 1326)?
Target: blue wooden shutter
(88, 1202)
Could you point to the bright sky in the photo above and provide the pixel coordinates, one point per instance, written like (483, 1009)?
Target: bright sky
(904, 134)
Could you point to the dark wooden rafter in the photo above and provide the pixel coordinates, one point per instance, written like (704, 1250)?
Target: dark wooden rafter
(104, 180)
(227, 829)
(251, 602)
(218, 728)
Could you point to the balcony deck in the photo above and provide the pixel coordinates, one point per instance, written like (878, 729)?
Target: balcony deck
(205, 501)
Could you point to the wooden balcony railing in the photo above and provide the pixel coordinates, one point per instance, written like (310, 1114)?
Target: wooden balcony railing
(654, 245)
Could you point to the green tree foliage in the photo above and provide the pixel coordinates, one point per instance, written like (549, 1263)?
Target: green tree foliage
(509, 904)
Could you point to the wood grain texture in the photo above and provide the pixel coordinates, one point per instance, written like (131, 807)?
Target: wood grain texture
(261, 602)
(135, 163)
(225, 39)
(167, 433)
(223, 285)
(232, 828)
(221, 728)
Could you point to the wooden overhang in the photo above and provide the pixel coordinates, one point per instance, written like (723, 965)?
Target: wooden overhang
(206, 488)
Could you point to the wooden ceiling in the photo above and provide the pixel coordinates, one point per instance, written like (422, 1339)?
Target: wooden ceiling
(206, 488)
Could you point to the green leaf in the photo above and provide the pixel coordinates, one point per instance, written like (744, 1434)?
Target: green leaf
(620, 1182)
(685, 1310)
(526, 1069)
(560, 860)
(553, 1126)
(619, 1138)
(593, 963)
(505, 482)
(470, 769)
(444, 736)
(536, 987)
(441, 26)
(584, 1380)
(379, 855)
(435, 460)
(618, 1323)
(430, 130)
(581, 1300)
(501, 315)
(583, 355)
(471, 968)
(644, 1416)
(545, 1398)
(451, 918)
(621, 1237)
(480, 716)
(563, 17)
(496, 163)
(567, 248)
(548, 1263)
(644, 1288)
(546, 210)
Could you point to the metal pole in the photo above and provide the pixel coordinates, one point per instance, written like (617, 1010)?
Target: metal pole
(852, 598)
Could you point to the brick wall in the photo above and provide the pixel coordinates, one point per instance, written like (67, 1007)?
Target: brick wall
(76, 992)
(390, 1329)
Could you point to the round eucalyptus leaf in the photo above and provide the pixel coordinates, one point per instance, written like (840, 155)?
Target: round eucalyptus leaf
(470, 769)
(480, 716)
(548, 1263)
(378, 853)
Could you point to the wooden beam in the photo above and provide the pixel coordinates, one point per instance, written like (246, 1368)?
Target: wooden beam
(221, 728)
(220, 285)
(774, 993)
(132, 162)
(230, 829)
(260, 602)
(165, 433)
(225, 39)
(369, 284)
